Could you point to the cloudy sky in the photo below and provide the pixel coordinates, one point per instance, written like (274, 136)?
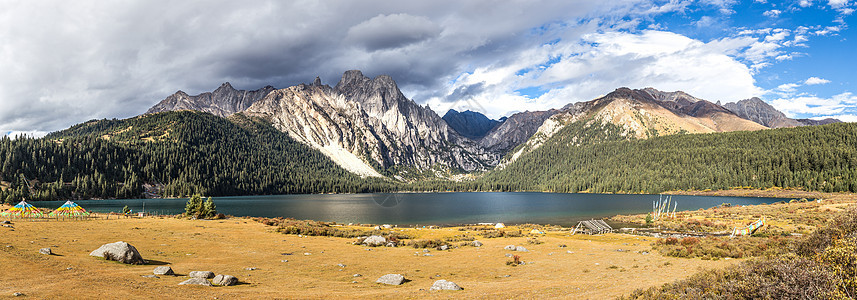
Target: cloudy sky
(65, 62)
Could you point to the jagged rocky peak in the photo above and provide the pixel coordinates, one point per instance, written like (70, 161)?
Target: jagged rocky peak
(759, 111)
(369, 127)
(470, 124)
(671, 96)
(317, 81)
(223, 101)
(515, 130)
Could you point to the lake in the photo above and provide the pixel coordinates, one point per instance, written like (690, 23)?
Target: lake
(425, 208)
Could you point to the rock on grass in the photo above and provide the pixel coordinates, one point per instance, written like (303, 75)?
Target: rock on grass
(224, 280)
(201, 274)
(196, 281)
(121, 252)
(445, 285)
(163, 270)
(391, 279)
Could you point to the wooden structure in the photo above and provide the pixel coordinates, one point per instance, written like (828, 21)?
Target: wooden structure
(592, 227)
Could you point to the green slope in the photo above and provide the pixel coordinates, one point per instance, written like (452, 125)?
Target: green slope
(187, 152)
(814, 157)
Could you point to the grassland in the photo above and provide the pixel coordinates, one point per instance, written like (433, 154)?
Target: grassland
(604, 266)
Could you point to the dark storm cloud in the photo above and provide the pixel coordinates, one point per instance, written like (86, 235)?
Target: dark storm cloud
(392, 31)
(68, 62)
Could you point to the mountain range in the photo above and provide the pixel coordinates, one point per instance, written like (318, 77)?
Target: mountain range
(368, 127)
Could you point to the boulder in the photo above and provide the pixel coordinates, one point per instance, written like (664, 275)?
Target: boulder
(45, 251)
(391, 279)
(445, 285)
(375, 240)
(476, 244)
(443, 247)
(196, 281)
(521, 249)
(6, 222)
(163, 270)
(224, 280)
(201, 274)
(509, 247)
(121, 252)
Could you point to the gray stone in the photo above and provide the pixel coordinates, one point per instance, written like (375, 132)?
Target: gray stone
(45, 251)
(476, 244)
(509, 247)
(201, 274)
(391, 279)
(444, 285)
(521, 249)
(17, 294)
(163, 270)
(6, 222)
(357, 275)
(375, 241)
(224, 280)
(340, 265)
(150, 276)
(443, 247)
(250, 269)
(121, 252)
(196, 281)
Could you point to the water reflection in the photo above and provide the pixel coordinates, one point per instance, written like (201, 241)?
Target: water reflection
(425, 208)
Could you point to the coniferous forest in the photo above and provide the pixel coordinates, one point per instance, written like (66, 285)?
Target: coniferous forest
(179, 153)
(183, 153)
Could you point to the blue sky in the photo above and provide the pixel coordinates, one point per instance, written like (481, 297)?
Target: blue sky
(68, 62)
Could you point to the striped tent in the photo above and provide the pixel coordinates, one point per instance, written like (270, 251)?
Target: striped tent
(23, 209)
(69, 209)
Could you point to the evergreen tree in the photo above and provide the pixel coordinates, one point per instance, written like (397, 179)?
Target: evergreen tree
(210, 209)
(193, 207)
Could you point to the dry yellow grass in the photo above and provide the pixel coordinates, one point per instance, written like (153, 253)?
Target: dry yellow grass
(595, 270)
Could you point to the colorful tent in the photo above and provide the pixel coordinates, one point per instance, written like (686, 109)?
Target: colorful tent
(69, 209)
(23, 209)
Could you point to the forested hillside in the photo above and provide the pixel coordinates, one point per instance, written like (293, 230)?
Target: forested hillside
(820, 158)
(185, 152)
(598, 158)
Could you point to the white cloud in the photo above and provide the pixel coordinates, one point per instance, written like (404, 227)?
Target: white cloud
(815, 80)
(843, 118)
(836, 4)
(772, 13)
(797, 107)
(788, 87)
(805, 3)
(599, 63)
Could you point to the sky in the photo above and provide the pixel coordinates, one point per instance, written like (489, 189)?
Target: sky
(66, 62)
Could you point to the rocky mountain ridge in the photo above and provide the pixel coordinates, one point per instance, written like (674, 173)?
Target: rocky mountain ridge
(470, 124)
(224, 101)
(641, 114)
(367, 126)
(756, 110)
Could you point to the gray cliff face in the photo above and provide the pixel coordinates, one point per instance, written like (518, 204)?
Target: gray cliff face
(516, 130)
(369, 122)
(756, 110)
(223, 102)
(470, 124)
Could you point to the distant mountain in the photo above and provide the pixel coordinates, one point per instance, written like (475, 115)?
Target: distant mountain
(758, 111)
(638, 114)
(224, 101)
(515, 130)
(370, 128)
(470, 124)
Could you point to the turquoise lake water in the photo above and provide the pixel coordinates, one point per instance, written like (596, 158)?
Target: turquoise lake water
(425, 208)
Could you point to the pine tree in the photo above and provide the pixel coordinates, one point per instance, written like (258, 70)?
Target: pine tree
(193, 206)
(209, 208)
